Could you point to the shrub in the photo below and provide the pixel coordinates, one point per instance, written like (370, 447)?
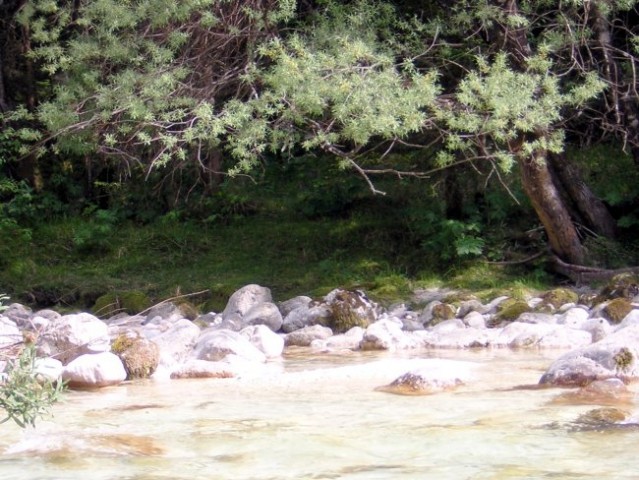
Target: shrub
(24, 394)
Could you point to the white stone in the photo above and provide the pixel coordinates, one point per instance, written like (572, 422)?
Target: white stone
(73, 335)
(49, 368)
(246, 298)
(265, 340)
(94, 370)
(215, 345)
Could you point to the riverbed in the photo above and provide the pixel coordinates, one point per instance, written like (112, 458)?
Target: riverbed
(311, 416)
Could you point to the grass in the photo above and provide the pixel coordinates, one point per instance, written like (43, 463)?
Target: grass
(68, 264)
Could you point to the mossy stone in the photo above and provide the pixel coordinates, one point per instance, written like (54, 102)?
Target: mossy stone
(510, 309)
(623, 359)
(189, 310)
(139, 355)
(348, 310)
(130, 302)
(560, 296)
(624, 285)
(443, 311)
(617, 309)
(601, 418)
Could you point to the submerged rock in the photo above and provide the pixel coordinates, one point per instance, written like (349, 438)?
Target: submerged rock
(600, 392)
(436, 376)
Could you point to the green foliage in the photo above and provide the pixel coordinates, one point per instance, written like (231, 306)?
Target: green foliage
(92, 236)
(111, 303)
(446, 239)
(26, 396)
(3, 298)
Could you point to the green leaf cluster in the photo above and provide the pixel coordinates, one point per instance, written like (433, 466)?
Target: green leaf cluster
(25, 395)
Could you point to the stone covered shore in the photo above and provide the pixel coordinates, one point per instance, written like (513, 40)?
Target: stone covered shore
(596, 335)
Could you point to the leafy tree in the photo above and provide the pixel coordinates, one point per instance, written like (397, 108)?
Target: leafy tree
(497, 85)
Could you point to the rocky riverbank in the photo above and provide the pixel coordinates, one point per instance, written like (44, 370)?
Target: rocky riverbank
(597, 335)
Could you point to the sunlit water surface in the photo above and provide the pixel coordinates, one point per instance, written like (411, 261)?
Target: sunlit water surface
(319, 417)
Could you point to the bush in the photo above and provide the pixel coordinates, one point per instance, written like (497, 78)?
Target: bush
(24, 394)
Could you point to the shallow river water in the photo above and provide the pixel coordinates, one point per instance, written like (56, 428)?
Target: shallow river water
(319, 417)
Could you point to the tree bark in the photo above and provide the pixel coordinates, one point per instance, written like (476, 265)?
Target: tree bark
(546, 200)
(593, 211)
(536, 176)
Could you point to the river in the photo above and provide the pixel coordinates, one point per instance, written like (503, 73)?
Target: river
(320, 417)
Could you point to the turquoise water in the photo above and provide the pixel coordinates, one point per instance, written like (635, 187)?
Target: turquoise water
(319, 417)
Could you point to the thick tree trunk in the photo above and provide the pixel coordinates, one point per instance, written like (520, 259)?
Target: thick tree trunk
(536, 176)
(546, 200)
(592, 210)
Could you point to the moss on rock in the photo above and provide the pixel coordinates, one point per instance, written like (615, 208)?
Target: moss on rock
(624, 285)
(617, 309)
(139, 355)
(623, 359)
(348, 309)
(509, 311)
(131, 302)
(443, 311)
(560, 296)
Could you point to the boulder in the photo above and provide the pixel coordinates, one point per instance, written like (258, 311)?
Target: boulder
(632, 318)
(94, 371)
(9, 332)
(474, 319)
(167, 312)
(615, 356)
(350, 340)
(306, 335)
(265, 340)
(617, 309)
(288, 306)
(265, 313)
(468, 337)
(537, 317)
(175, 343)
(140, 356)
(521, 335)
(245, 299)
(387, 335)
(215, 345)
(574, 317)
(350, 308)
(312, 314)
(19, 314)
(49, 368)
(70, 336)
(558, 297)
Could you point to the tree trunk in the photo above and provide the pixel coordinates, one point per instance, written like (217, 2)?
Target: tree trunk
(538, 184)
(593, 211)
(536, 176)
